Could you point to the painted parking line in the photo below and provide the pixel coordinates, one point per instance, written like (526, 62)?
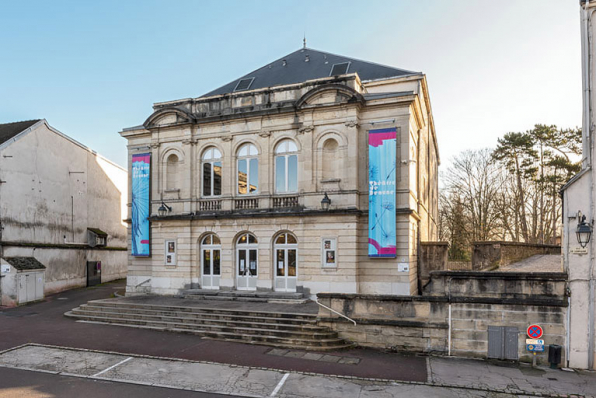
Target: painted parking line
(279, 385)
(112, 367)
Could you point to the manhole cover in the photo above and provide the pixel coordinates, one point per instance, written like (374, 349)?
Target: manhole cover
(62, 298)
(551, 378)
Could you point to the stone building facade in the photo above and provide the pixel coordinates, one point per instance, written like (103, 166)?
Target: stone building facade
(243, 172)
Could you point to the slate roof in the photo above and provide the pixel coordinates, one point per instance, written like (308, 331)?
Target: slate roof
(297, 70)
(98, 232)
(9, 130)
(24, 263)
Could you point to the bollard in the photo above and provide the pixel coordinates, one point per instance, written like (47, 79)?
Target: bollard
(554, 355)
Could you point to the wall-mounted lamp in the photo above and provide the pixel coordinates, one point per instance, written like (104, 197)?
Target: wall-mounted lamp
(583, 231)
(163, 209)
(325, 202)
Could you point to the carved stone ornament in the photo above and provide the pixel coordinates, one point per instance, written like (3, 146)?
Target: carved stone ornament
(226, 138)
(351, 123)
(306, 129)
(155, 145)
(189, 142)
(265, 134)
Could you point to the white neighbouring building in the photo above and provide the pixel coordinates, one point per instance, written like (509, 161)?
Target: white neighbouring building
(579, 199)
(242, 175)
(62, 207)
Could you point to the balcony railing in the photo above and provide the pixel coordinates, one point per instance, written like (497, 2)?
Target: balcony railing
(285, 201)
(210, 205)
(244, 204)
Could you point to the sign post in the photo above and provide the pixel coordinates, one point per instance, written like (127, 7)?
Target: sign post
(534, 344)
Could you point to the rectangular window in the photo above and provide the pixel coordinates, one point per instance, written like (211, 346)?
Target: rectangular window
(242, 176)
(217, 178)
(280, 174)
(293, 173)
(170, 250)
(207, 179)
(254, 175)
(329, 252)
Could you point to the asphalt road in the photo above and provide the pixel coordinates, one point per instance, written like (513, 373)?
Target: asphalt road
(44, 323)
(16, 383)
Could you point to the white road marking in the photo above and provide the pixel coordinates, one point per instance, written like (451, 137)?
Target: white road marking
(279, 385)
(112, 367)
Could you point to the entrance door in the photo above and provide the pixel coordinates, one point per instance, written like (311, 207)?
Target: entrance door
(211, 262)
(93, 273)
(247, 266)
(286, 262)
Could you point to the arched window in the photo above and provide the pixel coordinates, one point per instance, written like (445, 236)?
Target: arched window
(172, 172)
(246, 262)
(211, 172)
(286, 262)
(330, 159)
(248, 169)
(286, 167)
(210, 261)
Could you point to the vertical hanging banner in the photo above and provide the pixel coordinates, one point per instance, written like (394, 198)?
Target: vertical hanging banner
(382, 162)
(141, 178)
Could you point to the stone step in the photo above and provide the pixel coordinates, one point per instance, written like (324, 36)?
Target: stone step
(261, 323)
(206, 310)
(242, 293)
(250, 335)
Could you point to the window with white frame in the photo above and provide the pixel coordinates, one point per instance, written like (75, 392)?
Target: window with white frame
(286, 167)
(329, 252)
(211, 184)
(248, 169)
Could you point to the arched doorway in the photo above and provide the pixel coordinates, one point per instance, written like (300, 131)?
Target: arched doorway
(210, 262)
(247, 266)
(285, 248)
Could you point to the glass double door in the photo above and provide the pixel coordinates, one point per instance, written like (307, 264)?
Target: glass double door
(247, 269)
(285, 269)
(211, 268)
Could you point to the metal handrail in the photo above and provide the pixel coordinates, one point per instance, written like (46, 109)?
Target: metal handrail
(142, 283)
(338, 313)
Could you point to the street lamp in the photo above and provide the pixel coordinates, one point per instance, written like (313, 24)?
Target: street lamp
(163, 209)
(325, 202)
(584, 230)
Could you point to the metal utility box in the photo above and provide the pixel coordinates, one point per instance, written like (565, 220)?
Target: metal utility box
(23, 280)
(503, 342)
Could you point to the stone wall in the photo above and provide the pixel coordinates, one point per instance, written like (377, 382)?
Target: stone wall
(494, 254)
(433, 257)
(421, 323)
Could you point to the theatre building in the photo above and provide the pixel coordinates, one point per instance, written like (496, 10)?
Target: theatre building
(314, 173)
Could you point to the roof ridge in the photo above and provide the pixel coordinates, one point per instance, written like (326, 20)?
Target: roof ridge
(361, 60)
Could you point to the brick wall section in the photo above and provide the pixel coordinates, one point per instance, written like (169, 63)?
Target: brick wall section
(421, 323)
(486, 255)
(433, 257)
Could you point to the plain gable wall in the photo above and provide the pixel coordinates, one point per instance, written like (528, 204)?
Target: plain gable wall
(53, 184)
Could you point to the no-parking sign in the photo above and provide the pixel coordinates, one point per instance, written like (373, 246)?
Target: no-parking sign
(534, 332)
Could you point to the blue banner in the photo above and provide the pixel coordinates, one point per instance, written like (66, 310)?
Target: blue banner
(382, 164)
(141, 178)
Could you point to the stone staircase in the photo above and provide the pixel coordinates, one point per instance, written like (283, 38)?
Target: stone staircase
(277, 329)
(249, 296)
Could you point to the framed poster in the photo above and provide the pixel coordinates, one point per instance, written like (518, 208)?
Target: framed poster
(382, 165)
(329, 250)
(141, 181)
(170, 252)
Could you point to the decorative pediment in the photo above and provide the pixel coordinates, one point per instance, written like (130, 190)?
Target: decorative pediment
(330, 94)
(167, 117)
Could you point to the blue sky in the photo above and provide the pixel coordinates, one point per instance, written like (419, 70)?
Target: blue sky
(93, 68)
